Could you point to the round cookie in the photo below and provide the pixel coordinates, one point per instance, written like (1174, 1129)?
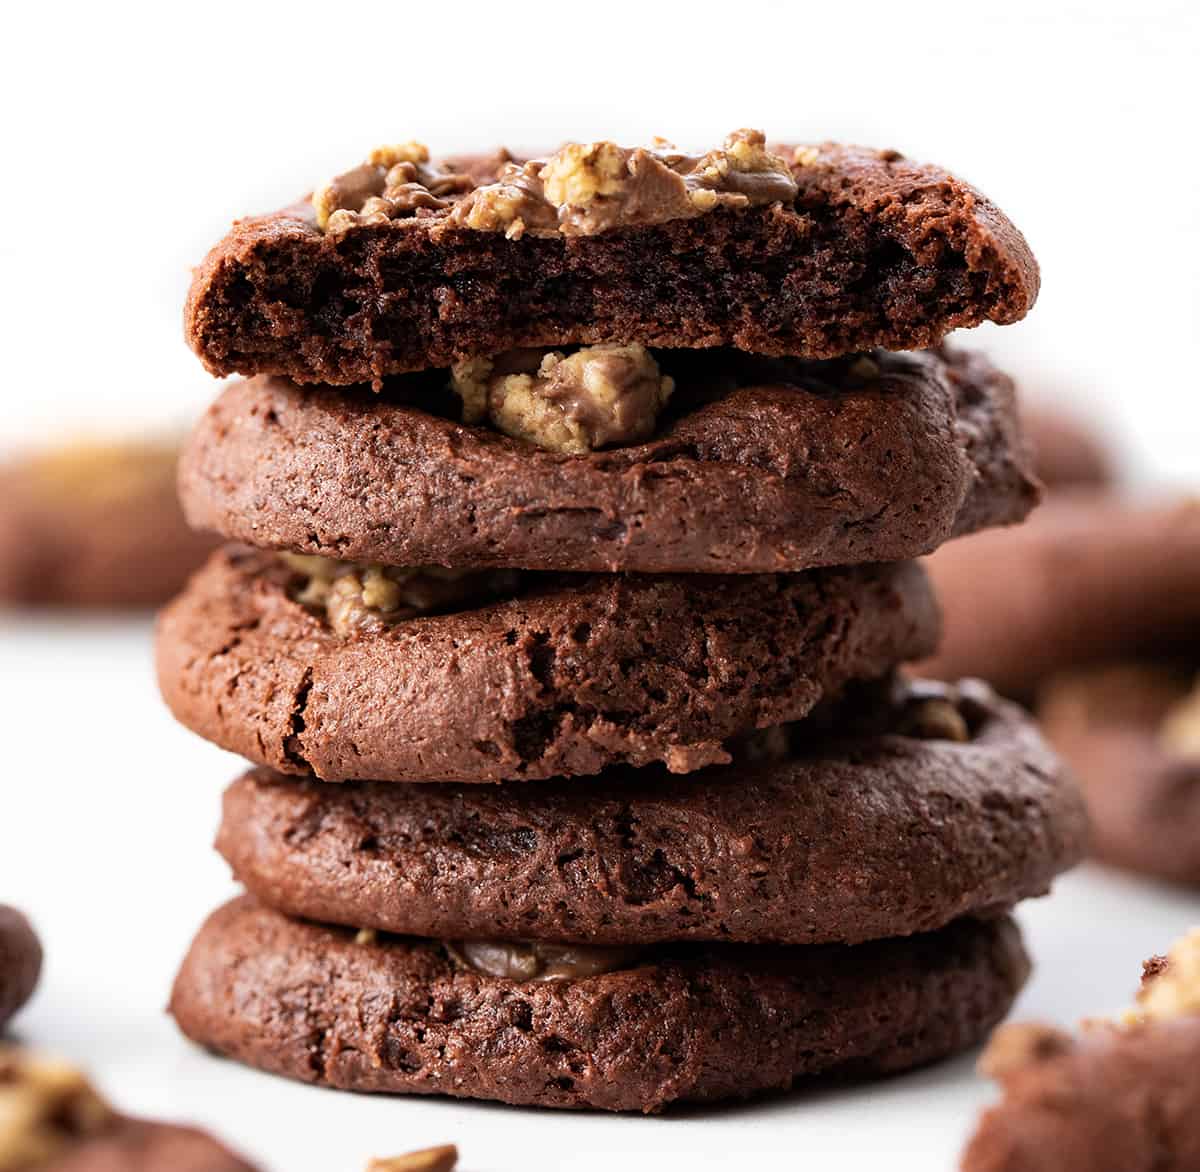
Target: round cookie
(1122, 729)
(694, 1022)
(1090, 579)
(784, 466)
(20, 962)
(860, 835)
(573, 674)
(95, 525)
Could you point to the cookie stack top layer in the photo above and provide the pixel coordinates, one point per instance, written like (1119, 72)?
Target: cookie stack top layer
(404, 263)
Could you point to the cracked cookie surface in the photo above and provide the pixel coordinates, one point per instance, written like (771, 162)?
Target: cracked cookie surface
(569, 675)
(862, 831)
(694, 1023)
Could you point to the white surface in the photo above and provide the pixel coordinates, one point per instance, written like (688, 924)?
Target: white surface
(134, 133)
(105, 837)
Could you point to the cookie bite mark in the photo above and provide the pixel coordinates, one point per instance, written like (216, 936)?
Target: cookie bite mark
(598, 396)
(819, 253)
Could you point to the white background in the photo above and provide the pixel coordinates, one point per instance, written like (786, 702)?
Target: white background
(133, 134)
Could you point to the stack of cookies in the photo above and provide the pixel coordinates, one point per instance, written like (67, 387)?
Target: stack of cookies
(563, 626)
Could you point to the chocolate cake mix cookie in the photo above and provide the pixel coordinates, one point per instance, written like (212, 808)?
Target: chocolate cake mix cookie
(754, 465)
(689, 1022)
(20, 962)
(1131, 733)
(52, 1120)
(404, 262)
(950, 805)
(1091, 579)
(1119, 1097)
(1068, 452)
(95, 524)
(349, 672)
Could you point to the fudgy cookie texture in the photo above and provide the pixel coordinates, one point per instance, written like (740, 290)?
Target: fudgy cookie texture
(1131, 734)
(858, 836)
(1089, 579)
(872, 250)
(574, 673)
(95, 525)
(1117, 1097)
(20, 962)
(759, 465)
(1068, 453)
(693, 1023)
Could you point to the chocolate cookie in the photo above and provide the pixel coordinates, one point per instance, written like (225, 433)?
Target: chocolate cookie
(694, 1022)
(52, 1120)
(1131, 733)
(20, 962)
(1119, 1097)
(404, 264)
(856, 837)
(1090, 579)
(572, 674)
(1068, 453)
(95, 525)
(758, 465)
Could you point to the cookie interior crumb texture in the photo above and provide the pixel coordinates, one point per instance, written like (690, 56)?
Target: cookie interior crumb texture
(406, 262)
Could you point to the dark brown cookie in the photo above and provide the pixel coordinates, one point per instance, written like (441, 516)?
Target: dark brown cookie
(95, 525)
(575, 673)
(1090, 579)
(20, 962)
(1124, 731)
(873, 251)
(855, 838)
(802, 465)
(692, 1023)
(1068, 453)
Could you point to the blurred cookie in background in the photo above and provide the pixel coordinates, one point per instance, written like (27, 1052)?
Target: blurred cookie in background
(53, 1120)
(1068, 453)
(1131, 731)
(95, 524)
(1090, 579)
(1117, 1096)
(1091, 613)
(20, 962)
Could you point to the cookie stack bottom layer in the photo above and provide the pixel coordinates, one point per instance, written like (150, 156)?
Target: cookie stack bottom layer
(838, 907)
(699, 1022)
